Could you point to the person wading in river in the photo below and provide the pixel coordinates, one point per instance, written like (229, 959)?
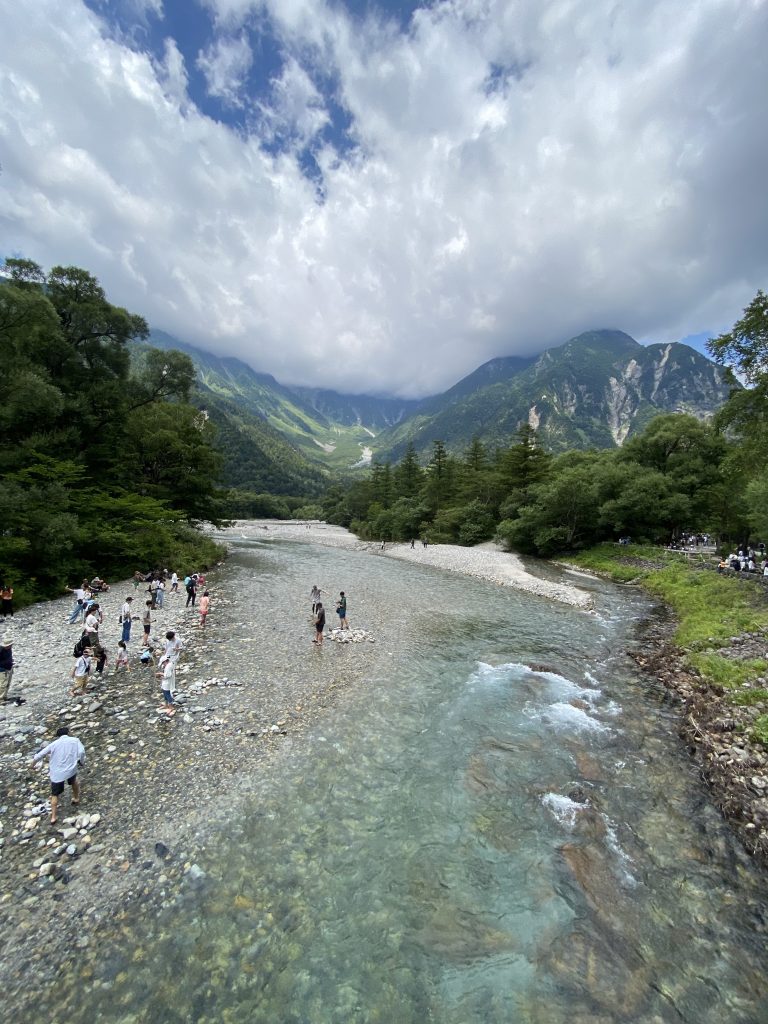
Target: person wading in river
(319, 623)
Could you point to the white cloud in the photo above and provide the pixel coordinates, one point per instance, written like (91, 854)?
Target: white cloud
(225, 64)
(522, 172)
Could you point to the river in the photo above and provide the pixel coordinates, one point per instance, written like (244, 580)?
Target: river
(497, 825)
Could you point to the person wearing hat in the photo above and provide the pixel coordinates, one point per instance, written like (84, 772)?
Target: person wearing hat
(81, 673)
(6, 667)
(66, 755)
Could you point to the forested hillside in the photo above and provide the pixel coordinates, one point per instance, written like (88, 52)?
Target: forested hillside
(106, 469)
(679, 474)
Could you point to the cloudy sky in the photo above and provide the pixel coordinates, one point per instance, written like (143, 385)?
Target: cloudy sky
(379, 195)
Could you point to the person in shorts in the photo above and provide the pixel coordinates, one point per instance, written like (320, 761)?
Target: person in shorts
(167, 683)
(341, 611)
(146, 620)
(66, 754)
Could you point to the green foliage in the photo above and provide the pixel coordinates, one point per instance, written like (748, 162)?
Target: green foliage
(759, 731)
(103, 467)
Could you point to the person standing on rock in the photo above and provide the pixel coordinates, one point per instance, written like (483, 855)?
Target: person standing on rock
(125, 619)
(160, 593)
(341, 611)
(66, 755)
(191, 586)
(319, 623)
(174, 583)
(314, 597)
(6, 667)
(6, 600)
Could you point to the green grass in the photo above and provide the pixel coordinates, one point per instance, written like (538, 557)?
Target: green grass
(759, 730)
(729, 673)
(709, 609)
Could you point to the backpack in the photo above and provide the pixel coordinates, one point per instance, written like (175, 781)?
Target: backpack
(80, 646)
(187, 580)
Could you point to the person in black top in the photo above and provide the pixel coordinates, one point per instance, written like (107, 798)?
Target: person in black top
(319, 623)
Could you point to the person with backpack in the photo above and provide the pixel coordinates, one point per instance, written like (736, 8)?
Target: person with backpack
(190, 583)
(81, 673)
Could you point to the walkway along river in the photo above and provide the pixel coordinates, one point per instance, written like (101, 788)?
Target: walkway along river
(497, 824)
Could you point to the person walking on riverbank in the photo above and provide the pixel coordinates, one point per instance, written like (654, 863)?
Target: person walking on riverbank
(174, 583)
(121, 662)
(92, 623)
(167, 679)
(6, 600)
(341, 611)
(6, 667)
(81, 673)
(77, 608)
(66, 754)
(160, 593)
(314, 597)
(171, 653)
(204, 607)
(319, 624)
(190, 584)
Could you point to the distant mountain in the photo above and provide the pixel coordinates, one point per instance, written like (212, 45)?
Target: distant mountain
(358, 410)
(594, 391)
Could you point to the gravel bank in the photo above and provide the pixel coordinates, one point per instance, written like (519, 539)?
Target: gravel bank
(485, 562)
(151, 784)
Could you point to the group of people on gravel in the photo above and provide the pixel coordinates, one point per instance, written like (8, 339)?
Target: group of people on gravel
(91, 654)
(318, 613)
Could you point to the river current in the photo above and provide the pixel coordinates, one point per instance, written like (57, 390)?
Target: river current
(498, 825)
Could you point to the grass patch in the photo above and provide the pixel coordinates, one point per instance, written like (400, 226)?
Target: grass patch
(759, 731)
(728, 673)
(709, 608)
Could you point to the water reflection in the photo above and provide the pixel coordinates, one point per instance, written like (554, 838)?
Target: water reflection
(499, 826)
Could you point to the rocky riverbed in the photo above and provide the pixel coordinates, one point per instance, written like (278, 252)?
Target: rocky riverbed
(717, 731)
(152, 787)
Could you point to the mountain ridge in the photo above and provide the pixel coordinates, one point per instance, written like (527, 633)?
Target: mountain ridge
(595, 390)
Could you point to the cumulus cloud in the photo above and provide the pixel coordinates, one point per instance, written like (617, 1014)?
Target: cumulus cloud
(505, 176)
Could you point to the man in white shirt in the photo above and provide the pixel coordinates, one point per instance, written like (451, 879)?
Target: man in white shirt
(66, 753)
(77, 608)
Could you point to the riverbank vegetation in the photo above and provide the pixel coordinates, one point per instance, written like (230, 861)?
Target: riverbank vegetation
(710, 609)
(106, 467)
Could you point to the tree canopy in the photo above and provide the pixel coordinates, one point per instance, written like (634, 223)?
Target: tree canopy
(105, 466)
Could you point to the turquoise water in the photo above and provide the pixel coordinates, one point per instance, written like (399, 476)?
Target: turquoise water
(497, 825)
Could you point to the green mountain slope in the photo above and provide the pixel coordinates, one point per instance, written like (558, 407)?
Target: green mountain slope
(594, 391)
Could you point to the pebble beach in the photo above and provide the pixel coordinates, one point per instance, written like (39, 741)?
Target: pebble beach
(150, 783)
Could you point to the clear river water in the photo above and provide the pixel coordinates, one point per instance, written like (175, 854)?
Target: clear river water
(498, 824)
